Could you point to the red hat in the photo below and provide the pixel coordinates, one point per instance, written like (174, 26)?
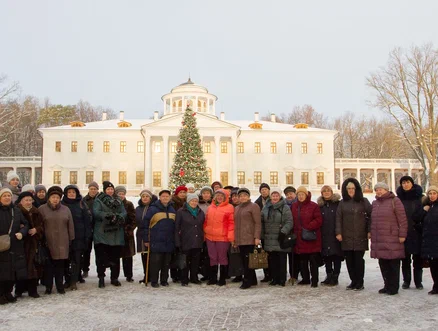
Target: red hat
(180, 188)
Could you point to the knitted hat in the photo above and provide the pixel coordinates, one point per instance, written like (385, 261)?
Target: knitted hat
(93, 184)
(431, 188)
(54, 190)
(216, 183)
(290, 189)
(303, 190)
(5, 190)
(243, 190)
(406, 179)
(381, 185)
(325, 187)
(192, 196)
(119, 189)
(206, 188)
(147, 192)
(40, 187)
(107, 184)
(164, 191)
(11, 175)
(190, 185)
(23, 195)
(276, 190)
(180, 188)
(28, 188)
(263, 185)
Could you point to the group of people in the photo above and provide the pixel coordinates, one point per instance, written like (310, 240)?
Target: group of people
(49, 234)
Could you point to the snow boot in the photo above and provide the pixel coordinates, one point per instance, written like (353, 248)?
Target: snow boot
(213, 275)
(334, 280)
(327, 279)
(223, 275)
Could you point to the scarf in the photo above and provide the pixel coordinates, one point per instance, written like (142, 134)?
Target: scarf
(193, 211)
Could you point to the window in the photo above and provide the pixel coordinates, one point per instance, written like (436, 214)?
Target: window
(320, 178)
(106, 176)
(57, 177)
(273, 148)
(319, 148)
(303, 148)
(90, 146)
(73, 177)
(240, 147)
(288, 148)
(157, 146)
(139, 177)
(257, 148)
(305, 178)
(122, 177)
(241, 177)
(89, 177)
(157, 178)
(140, 146)
(224, 178)
(257, 177)
(173, 147)
(57, 146)
(274, 177)
(106, 146)
(123, 147)
(289, 178)
(224, 147)
(207, 147)
(210, 176)
(74, 146)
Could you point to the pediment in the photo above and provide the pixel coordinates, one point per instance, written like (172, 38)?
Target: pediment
(202, 121)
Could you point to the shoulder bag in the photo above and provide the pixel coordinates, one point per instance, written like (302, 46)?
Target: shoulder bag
(5, 240)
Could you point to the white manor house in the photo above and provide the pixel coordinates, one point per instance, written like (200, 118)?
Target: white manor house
(139, 153)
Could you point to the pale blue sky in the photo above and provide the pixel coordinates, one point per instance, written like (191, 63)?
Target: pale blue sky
(264, 56)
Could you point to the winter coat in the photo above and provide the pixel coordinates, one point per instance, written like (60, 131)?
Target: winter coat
(140, 213)
(276, 219)
(330, 245)
(261, 202)
(177, 202)
(219, 222)
(130, 225)
(411, 201)
(35, 221)
(307, 215)
(37, 202)
(13, 261)
(159, 227)
(388, 225)
(247, 223)
(429, 222)
(109, 217)
(59, 229)
(204, 205)
(189, 230)
(81, 219)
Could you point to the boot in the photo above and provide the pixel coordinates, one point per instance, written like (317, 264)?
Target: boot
(213, 275)
(327, 279)
(418, 278)
(223, 275)
(101, 282)
(3, 300)
(334, 281)
(237, 279)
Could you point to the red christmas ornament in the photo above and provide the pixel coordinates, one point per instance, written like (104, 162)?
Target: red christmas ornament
(181, 172)
(193, 114)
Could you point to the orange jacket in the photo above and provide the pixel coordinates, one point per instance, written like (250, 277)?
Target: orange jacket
(219, 222)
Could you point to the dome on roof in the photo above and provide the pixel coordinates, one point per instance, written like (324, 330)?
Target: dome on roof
(189, 86)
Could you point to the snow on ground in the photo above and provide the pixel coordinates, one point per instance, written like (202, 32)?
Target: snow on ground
(200, 307)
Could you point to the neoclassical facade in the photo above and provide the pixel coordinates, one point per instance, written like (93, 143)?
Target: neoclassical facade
(139, 152)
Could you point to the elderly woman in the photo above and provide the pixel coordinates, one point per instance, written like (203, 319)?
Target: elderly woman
(331, 248)
(40, 198)
(427, 217)
(13, 183)
(276, 225)
(308, 220)
(12, 258)
(34, 236)
(205, 198)
(389, 229)
(219, 233)
(189, 237)
(353, 220)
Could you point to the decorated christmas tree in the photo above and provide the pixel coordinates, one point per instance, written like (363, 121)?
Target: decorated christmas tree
(189, 165)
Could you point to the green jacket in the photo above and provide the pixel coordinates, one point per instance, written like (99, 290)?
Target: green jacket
(275, 218)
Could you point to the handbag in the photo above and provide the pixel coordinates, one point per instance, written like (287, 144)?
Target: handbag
(235, 266)
(42, 255)
(178, 261)
(5, 240)
(258, 260)
(288, 241)
(306, 235)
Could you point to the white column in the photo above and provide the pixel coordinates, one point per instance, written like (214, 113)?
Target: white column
(410, 171)
(393, 188)
(374, 178)
(148, 162)
(358, 174)
(171, 105)
(217, 151)
(341, 176)
(234, 160)
(214, 107)
(165, 174)
(32, 177)
(196, 105)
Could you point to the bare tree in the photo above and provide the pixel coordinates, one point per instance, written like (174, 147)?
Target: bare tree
(7, 90)
(406, 89)
(302, 114)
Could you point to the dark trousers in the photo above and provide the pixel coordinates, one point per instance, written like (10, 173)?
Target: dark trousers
(27, 285)
(73, 267)
(418, 268)
(54, 268)
(333, 264)
(249, 275)
(355, 266)
(277, 266)
(312, 260)
(433, 264)
(205, 262)
(159, 264)
(294, 265)
(266, 271)
(127, 266)
(193, 256)
(390, 270)
(85, 261)
(108, 257)
(6, 287)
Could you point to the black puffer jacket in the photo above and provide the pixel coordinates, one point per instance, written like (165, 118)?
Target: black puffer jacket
(429, 222)
(330, 245)
(189, 230)
(411, 201)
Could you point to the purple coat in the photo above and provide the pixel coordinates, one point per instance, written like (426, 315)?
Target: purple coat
(388, 224)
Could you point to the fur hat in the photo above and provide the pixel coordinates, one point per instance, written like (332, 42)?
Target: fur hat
(406, 179)
(119, 189)
(107, 184)
(381, 185)
(303, 190)
(276, 190)
(23, 195)
(54, 190)
(5, 190)
(40, 187)
(290, 189)
(432, 188)
(206, 188)
(264, 185)
(147, 192)
(243, 190)
(192, 196)
(93, 184)
(180, 188)
(11, 175)
(28, 188)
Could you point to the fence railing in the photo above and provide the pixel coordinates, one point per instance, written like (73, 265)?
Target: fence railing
(20, 158)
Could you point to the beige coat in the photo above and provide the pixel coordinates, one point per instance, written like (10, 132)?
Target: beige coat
(247, 223)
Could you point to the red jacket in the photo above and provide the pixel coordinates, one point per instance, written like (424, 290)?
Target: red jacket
(307, 215)
(219, 222)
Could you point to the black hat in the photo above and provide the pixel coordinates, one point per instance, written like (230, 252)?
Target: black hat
(289, 189)
(406, 178)
(164, 191)
(54, 190)
(23, 195)
(243, 190)
(107, 184)
(262, 185)
(229, 187)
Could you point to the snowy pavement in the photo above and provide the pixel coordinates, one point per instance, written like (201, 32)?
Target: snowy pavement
(199, 307)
